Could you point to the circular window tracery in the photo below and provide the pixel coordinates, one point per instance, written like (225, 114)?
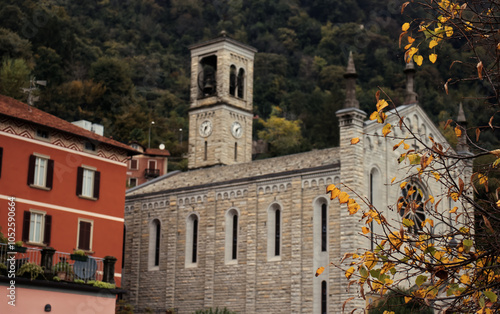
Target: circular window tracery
(413, 206)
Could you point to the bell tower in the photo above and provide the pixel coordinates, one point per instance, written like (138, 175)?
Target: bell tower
(221, 101)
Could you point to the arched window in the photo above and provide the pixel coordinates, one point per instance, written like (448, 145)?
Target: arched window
(274, 232)
(207, 77)
(232, 227)
(241, 83)
(320, 225)
(154, 244)
(324, 228)
(232, 80)
(192, 240)
(375, 198)
(413, 206)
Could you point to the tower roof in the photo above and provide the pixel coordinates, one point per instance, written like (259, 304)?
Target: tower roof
(350, 90)
(411, 97)
(461, 115)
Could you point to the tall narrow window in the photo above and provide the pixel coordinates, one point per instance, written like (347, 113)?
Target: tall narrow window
(235, 151)
(154, 244)
(375, 197)
(192, 225)
(324, 295)
(235, 237)
(277, 233)
(206, 146)
(324, 230)
(232, 80)
(157, 245)
(241, 83)
(274, 232)
(88, 182)
(1, 155)
(195, 240)
(123, 245)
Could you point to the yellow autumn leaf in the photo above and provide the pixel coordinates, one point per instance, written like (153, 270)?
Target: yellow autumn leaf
(465, 279)
(386, 129)
(418, 59)
(349, 272)
(436, 175)
(319, 271)
(381, 104)
(433, 57)
(365, 230)
(498, 203)
(392, 181)
(411, 52)
(482, 179)
(354, 140)
(330, 188)
(431, 199)
(374, 115)
(408, 299)
(334, 193)
(352, 206)
(468, 25)
(454, 196)
(433, 44)
(480, 70)
(407, 46)
(448, 30)
(430, 221)
(458, 131)
(403, 184)
(453, 210)
(405, 27)
(406, 146)
(343, 197)
(411, 39)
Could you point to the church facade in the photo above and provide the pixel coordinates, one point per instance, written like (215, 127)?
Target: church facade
(249, 235)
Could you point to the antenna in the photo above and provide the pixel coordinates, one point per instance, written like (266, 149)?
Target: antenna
(31, 89)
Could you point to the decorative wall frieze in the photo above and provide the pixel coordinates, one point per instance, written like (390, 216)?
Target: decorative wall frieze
(231, 193)
(320, 179)
(192, 198)
(274, 186)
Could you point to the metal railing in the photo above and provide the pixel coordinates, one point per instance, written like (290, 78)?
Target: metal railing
(151, 173)
(61, 264)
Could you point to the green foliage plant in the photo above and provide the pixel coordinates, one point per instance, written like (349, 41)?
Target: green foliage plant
(30, 268)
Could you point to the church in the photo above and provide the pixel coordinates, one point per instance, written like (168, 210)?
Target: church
(249, 235)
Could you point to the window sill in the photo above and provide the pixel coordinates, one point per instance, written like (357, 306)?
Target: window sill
(88, 198)
(87, 252)
(154, 268)
(232, 262)
(40, 187)
(36, 244)
(275, 259)
(191, 265)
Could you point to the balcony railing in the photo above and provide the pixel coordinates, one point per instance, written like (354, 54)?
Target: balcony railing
(58, 264)
(151, 173)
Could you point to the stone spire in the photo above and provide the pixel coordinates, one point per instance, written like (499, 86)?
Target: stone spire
(410, 96)
(462, 147)
(350, 76)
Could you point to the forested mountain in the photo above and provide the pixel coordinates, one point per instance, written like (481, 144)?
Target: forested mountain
(126, 63)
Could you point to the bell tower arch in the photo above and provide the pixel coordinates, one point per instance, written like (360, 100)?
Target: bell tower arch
(221, 102)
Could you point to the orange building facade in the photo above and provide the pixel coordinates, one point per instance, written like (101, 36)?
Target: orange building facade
(67, 183)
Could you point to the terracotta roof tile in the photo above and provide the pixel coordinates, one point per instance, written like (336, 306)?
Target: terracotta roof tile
(157, 152)
(16, 109)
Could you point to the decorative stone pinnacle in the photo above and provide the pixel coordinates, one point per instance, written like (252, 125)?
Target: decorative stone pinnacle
(411, 96)
(350, 76)
(461, 115)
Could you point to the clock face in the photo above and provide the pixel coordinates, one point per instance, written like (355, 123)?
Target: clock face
(206, 128)
(236, 129)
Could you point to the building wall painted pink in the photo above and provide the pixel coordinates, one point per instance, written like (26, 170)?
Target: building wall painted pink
(33, 300)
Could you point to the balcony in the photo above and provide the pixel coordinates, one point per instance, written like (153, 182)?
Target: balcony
(151, 173)
(50, 265)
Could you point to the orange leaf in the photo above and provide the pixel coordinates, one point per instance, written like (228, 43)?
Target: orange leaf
(349, 272)
(365, 230)
(488, 224)
(453, 210)
(354, 140)
(447, 123)
(403, 184)
(343, 197)
(454, 196)
(386, 129)
(433, 57)
(335, 193)
(458, 131)
(319, 271)
(393, 179)
(478, 131)
(489, 123)
(403, 6)
(433, 44)
(406, 146)
(446, 86)
(411, 39)
(405, 27)
(479, 67)
(330, 188)
(352, 206)
(381, 104)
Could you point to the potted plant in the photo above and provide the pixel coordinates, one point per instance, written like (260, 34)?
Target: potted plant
(18, 247)
(31, 271)
(62, 270)
(79, 255)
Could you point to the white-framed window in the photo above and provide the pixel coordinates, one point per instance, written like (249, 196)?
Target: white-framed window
(132, 182)
(88, 182)
(85, 234)
(274, 232)
(154, 244)
(40, 171)
(232, 235)
(192, 230)
(36, 227)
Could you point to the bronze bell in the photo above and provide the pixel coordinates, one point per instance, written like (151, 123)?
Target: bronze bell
(208, 87)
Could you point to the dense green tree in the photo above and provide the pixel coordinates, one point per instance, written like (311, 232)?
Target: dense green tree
(14, 75)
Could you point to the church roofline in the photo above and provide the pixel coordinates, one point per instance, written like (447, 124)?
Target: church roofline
(229, 182)
(222, 38)
(167, 175)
